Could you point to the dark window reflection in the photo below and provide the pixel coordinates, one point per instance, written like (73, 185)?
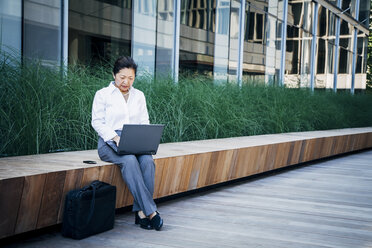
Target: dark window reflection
(300, 14)
(321, 56)
(346, 5)
(358, 67)
(331, 27)
(294, 56)
(330, 57)
(360, 45)
(165, 38)
(343, 62)
(199, 15)
(364, 9)
(254, 47)
(251, 26)
(344, 28)
(259, 26)
(99, 30)
(322, 27)
(293, 32)
(197, 36)
(334, 2)
(345, 42)
(42, 32)
(297, 11)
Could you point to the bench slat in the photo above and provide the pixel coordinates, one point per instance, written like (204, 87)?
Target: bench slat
(10, 198)
(30, 203)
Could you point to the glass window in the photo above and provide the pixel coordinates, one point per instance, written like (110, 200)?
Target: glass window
(296, 13)
(293, 32)
(165, 38)
(330, 57)
(362, 47)
(275, 8)
(305, 59)
(234, 39)
(259, 27)
(308, 16)
(293, 61)
(334, 2)
(300, 14)
(99, 31)
(42, 30)
(321, 56)
(331, 20)
(299, 40)
(197, 41)
(254, 54)
(343, 66)
(250, 25)
(344, 69)
(364, 9)
(221, 50)
(346, 37)
(11, 25)
(358, 66)
(324, 75)
(365, 54)
(144, 35)
(273, 52)
(322, 19)
(348, 6)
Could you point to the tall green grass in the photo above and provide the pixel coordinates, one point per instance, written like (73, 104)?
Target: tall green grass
(46, 110)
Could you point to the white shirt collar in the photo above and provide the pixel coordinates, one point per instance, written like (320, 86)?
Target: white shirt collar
(112, 87)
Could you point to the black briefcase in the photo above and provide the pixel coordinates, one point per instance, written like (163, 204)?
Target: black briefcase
(89, 210)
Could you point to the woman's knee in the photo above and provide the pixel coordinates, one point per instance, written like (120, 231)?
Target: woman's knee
(146, 159)
(129, 163)
(146, 162)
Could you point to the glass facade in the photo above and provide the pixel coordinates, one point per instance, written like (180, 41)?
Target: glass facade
(299, 39)
(144, 35)
(262, 41)
(42, 30)
(224, 39)
(11, 25)
(326, 36)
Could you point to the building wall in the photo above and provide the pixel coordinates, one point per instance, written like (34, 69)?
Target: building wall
(213, 36)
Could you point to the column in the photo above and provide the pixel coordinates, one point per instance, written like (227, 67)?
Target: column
(283, 43)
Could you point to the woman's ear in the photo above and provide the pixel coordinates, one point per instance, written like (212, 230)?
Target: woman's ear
(113, 75)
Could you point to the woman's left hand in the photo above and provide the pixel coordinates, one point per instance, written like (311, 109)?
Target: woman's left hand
(116, 139)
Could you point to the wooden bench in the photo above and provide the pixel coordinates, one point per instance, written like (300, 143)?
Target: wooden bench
(33, 188)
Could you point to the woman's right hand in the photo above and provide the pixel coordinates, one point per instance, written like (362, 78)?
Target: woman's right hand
(116, 139)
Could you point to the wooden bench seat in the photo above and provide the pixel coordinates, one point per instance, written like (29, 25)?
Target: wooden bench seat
(33, 188)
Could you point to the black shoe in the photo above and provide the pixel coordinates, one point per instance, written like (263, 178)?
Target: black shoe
(143, 222)
(156, 222)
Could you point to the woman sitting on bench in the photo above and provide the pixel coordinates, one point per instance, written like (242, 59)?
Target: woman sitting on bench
(117, 104)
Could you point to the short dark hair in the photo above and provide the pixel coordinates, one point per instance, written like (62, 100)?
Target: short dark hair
(124, 62)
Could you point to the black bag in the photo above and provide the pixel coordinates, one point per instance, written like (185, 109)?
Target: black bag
(89, 210)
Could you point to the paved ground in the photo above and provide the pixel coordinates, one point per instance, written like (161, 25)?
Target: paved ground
(322, 204)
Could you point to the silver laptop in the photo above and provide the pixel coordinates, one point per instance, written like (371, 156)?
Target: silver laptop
(138, 139)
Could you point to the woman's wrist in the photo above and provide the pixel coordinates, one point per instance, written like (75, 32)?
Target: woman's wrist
(116, 139)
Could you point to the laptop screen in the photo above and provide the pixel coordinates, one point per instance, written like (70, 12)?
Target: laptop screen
(140, 139)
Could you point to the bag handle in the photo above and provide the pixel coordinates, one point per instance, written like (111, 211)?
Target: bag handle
(94, 185)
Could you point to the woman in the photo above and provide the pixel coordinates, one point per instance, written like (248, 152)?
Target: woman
(117, 104)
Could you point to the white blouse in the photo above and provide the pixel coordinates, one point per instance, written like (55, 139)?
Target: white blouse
(110, 110)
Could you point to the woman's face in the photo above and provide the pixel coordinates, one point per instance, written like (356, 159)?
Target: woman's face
(124, 79)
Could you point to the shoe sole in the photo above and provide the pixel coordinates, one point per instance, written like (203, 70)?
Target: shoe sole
(160, 226)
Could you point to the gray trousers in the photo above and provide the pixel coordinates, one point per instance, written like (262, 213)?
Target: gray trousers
(138, 172)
